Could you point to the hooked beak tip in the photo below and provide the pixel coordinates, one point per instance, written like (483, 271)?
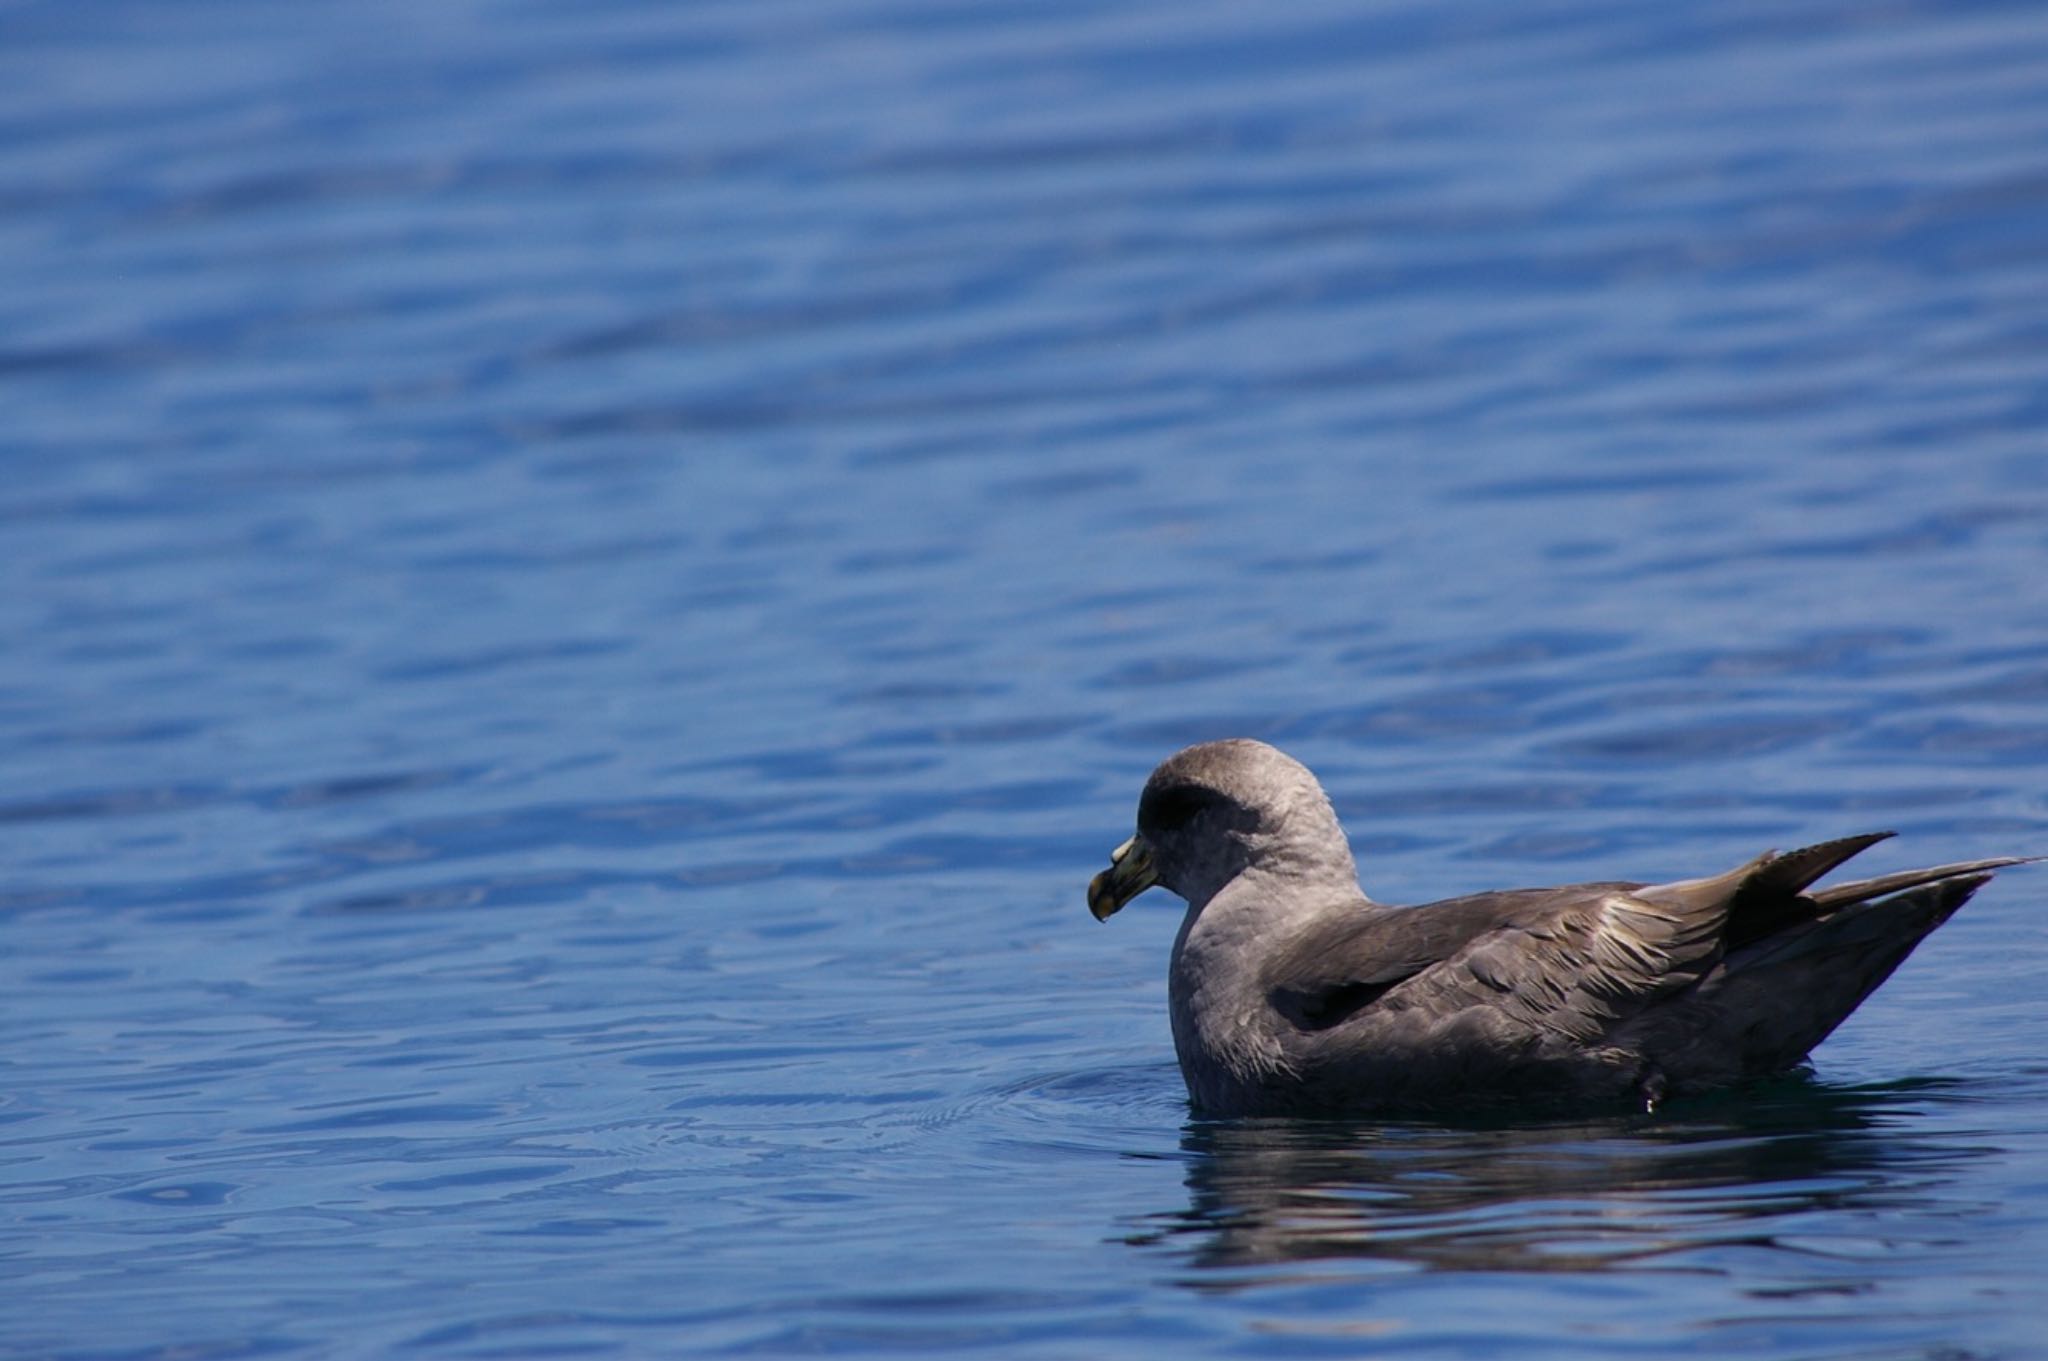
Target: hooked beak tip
(1130, 873)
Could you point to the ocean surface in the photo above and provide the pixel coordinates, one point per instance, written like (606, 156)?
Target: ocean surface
(584, 585)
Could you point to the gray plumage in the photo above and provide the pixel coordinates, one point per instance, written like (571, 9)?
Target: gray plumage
(1293, 993)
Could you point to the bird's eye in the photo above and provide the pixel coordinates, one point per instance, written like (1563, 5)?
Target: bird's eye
(1169, 810)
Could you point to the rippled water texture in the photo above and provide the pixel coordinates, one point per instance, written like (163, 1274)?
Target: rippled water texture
(586, 584)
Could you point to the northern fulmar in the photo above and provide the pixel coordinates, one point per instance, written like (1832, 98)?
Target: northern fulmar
(1292, 993)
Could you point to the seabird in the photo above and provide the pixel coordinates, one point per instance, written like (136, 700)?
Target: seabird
(1292, 993)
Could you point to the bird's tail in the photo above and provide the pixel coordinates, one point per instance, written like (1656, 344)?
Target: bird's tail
(1792, 989)
(1800, 960)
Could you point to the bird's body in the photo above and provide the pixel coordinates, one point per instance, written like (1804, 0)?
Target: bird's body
(1292, 993)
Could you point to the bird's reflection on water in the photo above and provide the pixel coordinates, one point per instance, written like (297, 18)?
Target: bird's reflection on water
(1554, 1197)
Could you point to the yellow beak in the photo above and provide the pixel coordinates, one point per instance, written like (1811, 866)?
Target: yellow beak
(1130, 873)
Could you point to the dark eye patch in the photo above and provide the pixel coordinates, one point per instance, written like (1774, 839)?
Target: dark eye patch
(1172, 808)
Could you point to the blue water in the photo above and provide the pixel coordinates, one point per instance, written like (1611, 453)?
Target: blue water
(583, 586)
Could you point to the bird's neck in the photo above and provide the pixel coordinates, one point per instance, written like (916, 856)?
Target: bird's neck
(1225, 1028)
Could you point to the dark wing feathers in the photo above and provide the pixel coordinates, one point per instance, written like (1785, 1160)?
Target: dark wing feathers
(1579, 961)
(1559, 958)
(1776, 999)
(1861, 890)
(1341, 965)
(1794, 871)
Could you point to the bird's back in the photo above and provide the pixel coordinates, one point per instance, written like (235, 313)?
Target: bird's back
(1603, 993)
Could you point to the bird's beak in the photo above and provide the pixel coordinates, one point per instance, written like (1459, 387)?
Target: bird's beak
(1130, 873)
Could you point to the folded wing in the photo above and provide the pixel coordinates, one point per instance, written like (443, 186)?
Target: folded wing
(1739, 972)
